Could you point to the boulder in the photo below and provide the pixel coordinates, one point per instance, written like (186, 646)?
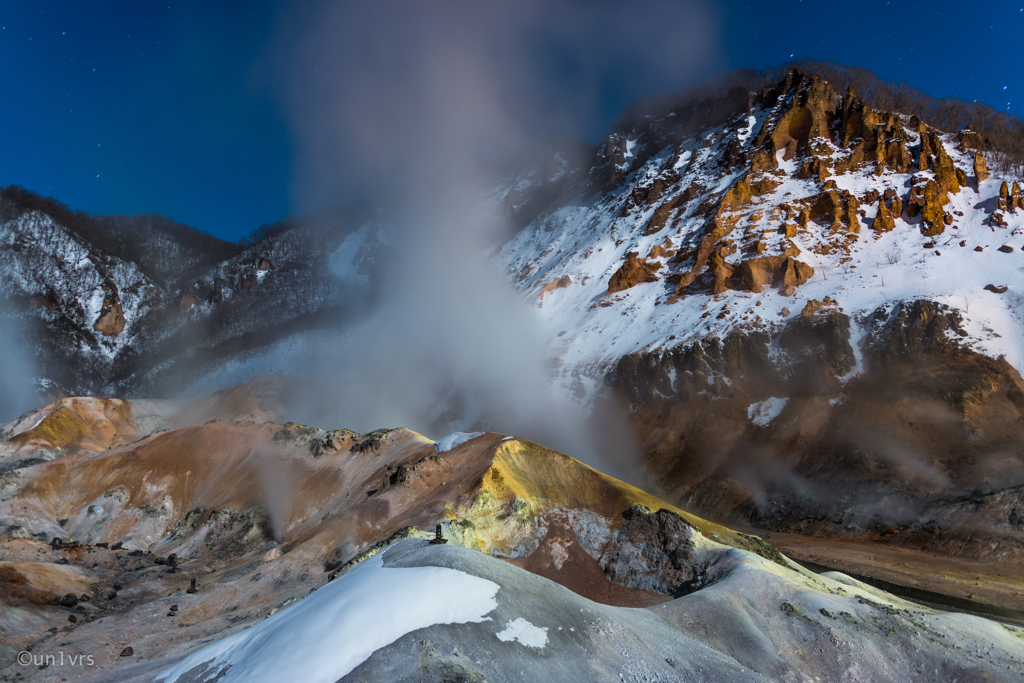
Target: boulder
(998, 220)
(1004, 197)
(796, 273)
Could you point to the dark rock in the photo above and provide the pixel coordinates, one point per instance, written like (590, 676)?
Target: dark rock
(372, 441)
(653, 551)
(127, 652)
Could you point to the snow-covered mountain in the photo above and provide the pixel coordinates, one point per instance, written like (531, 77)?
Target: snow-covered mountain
(810, 305)
(130, 305)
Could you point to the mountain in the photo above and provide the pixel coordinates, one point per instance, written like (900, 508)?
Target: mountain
(805, 292)
(118, 305)
(810, 305)
(166, 544)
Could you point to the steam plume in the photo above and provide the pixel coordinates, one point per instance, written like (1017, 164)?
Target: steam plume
(16, 377)
(412, 104)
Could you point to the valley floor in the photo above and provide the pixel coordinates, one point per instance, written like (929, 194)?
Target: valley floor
(972, 586)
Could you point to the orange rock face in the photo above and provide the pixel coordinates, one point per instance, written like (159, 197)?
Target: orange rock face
(632, 272)
(88, 425)
(927, 199)
(980, 167)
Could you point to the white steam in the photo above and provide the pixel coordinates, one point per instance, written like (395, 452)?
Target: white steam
(16, 376)
(410, 104)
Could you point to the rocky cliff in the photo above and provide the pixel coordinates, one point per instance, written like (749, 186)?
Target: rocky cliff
(809, 304)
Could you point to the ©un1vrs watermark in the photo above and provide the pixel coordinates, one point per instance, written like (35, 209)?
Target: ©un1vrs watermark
(61, 658)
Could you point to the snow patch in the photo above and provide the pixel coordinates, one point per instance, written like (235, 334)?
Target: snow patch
(449, 442)
(338, 627)
(525, 632)
(763, 412)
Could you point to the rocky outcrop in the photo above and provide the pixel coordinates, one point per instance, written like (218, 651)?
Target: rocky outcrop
(559, 283)
(653, 551)
(934, 156)
(808, 116)
(754, 274)
(614, 158)
(632, 272)
(110, 322)
(970, 139)
(870, 135)
(837, 208)
(783, 271)
(913, 329)
(890, 207)
(661, 214)
(981, 173)
(1016, 198)
(818, 343)
(926, 199)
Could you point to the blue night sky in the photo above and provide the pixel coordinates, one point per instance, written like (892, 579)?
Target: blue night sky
(127, 107)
